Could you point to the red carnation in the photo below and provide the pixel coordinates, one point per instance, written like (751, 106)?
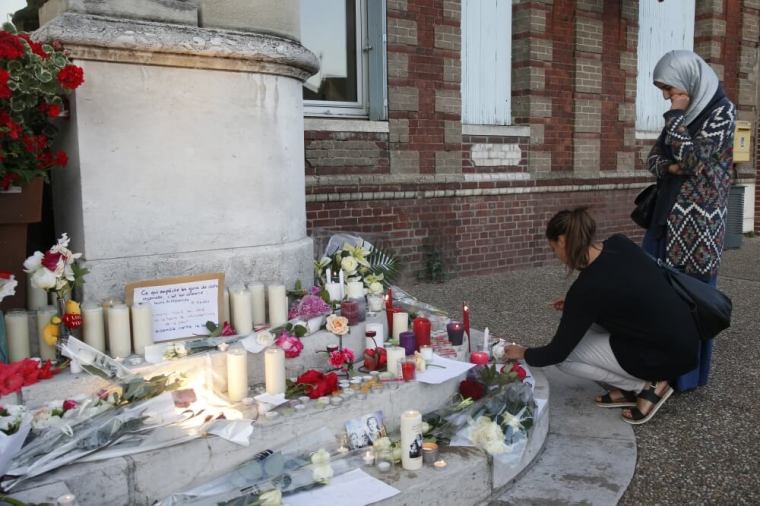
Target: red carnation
(471, 389)
(71, 76)
(309, 377)
(50, 261)
(61, 160)
(11, 47)
(5, 92)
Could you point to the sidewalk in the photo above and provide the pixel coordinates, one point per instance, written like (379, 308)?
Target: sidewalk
(702, 446)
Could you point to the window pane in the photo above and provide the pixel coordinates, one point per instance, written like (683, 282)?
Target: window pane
(328, 29)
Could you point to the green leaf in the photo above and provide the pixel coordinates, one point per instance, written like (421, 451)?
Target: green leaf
(9, 27)
(383, 263)
(299, 331)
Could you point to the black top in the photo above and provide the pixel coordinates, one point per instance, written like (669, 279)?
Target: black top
(652, 333)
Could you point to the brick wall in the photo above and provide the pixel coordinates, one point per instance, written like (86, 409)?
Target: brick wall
(481, 195)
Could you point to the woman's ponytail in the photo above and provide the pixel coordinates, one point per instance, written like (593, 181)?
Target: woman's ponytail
(579, 229)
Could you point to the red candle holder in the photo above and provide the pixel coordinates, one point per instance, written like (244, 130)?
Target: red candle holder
(409, 370)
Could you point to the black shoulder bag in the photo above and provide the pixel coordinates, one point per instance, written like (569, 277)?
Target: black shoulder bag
(645, 204)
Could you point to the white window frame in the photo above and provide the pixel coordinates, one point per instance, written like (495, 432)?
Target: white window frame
(360, 108)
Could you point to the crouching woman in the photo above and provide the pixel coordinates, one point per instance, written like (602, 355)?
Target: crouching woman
(622, 324)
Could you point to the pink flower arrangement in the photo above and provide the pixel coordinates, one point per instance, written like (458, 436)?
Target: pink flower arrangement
(342, 358)
(310, 306)
(291, 345)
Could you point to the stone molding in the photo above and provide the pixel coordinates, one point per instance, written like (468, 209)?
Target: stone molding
(99, 38)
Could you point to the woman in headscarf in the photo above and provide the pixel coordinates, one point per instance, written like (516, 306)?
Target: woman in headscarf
(692, 162)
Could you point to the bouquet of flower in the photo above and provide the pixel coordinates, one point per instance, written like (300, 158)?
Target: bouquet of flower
(57, 269)
(34, 78)
(358, 260)
(15, 423)
(313, 383)
(310, 306)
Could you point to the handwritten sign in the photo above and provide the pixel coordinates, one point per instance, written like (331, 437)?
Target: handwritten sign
(181, 306)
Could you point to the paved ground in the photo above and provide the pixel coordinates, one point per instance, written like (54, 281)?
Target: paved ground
(703, 446)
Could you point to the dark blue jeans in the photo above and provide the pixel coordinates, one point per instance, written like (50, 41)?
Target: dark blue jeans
(699, 376)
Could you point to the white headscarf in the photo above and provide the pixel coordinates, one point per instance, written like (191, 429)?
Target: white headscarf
(688, 71)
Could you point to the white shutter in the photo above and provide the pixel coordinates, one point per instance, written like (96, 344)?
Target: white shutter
(663, 26)
(486, 62)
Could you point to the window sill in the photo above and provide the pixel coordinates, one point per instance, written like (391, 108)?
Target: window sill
(496, 130)
(640, 134)
(345, 125)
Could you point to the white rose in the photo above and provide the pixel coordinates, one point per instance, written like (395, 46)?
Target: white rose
(349, 265)
(44, 279)
(376, 288)
(34, 262)
(264, 338)
(322, 474)
(425, 427)
(271, 498)
(383, 443)
(320, 458)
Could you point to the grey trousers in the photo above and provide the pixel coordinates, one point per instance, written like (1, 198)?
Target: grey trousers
(593, 359)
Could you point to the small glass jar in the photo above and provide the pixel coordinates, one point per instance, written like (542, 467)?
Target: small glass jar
(384, 461)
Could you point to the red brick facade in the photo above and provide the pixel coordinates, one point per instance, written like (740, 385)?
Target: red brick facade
(481, 196)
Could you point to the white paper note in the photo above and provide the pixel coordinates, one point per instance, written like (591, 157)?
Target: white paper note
(355, 488)
(272, 400)
(443, 369)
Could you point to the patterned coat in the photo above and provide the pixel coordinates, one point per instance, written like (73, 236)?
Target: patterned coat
(696, 224)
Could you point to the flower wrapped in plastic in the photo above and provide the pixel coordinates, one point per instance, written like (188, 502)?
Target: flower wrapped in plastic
(358, 259)
(15, 424)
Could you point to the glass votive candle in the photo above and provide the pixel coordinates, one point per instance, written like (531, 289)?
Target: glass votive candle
(384, 461)
(429, 453)
(393, 385)
(427, 353)
(409, 369)
(455, 331)
(368, 457)
(356, 383)
(336, 400)
(299, 407)
(367, 377)
(440, 464)
(304, 399)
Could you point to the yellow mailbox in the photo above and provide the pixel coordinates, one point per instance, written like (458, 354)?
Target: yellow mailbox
(742, 141)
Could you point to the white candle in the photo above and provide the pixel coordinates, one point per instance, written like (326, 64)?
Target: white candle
(225, 307)
(335, 291)
(379, 334)
(485, 341)
(119, 342)
(411, 440)
(94, 330)
(274, 371)
(35, 297)
(242, 319)
(400, 324)
(74, 366)
(427, 353)
(44, 314)
(278, 305)
(340, 277)
(328, 276)
(237, 374)
(142, 327)
(355, 289)
(17, 332)
(395, 355)
(258, 303)
(219, 372)
(107, 304)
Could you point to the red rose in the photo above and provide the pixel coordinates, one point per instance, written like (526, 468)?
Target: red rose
(50, 260)
(71, 77)
(227, 329)
(11, 47)
(69, 404)
(310, 377)
(317, 390)
(332, 381)
(5, 92)
(517, 368)
(471, 389)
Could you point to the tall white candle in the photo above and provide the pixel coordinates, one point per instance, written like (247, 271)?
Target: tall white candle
(411, 440)
(225, 316)
(242, 319)
(328, 276)
(142, 327)
(400, 324)
(355, 289)
(486, 339)
(278, 305)
(335, 290)
(274, 371)
(44, 314)
(119, 342)
(379, 334)
(395, 355)
(258, 303)
(35, 297)
(94, 330)
(106, 305)
(17, 332)
(237, 374)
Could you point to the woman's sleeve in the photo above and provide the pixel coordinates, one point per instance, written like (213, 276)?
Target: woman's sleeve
(694, 154)
(581, 309)
(657, 161)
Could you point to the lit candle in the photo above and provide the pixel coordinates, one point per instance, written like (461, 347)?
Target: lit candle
(278, 305)
(355, 289)
(17, 331)
(368, 457)
(44, 314)
(440, 464)
(226, 307)
(142, 327)
(240, 305)
(400, 323)
(119, 342)
(395, 355)
(258, 303)
(35, 297)
(237, 374)
(486, 343)
(66, 500)
(411, 440)
(466, 316)
(274, 371)
(93, 328)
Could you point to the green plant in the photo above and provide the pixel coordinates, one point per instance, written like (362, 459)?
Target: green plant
(434, 267)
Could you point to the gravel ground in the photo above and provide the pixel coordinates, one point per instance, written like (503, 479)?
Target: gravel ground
(703, 446)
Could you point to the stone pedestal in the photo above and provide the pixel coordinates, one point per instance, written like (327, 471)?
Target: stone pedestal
(186, 147)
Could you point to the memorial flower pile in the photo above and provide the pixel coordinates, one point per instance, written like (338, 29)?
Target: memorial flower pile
(34, 78)
(57, 269)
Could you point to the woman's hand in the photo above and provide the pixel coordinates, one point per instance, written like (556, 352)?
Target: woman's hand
(675, 169)
(558, 305)
(515, 351)
(680, 101)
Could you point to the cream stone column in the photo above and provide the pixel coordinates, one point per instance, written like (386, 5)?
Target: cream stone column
(186, 145)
